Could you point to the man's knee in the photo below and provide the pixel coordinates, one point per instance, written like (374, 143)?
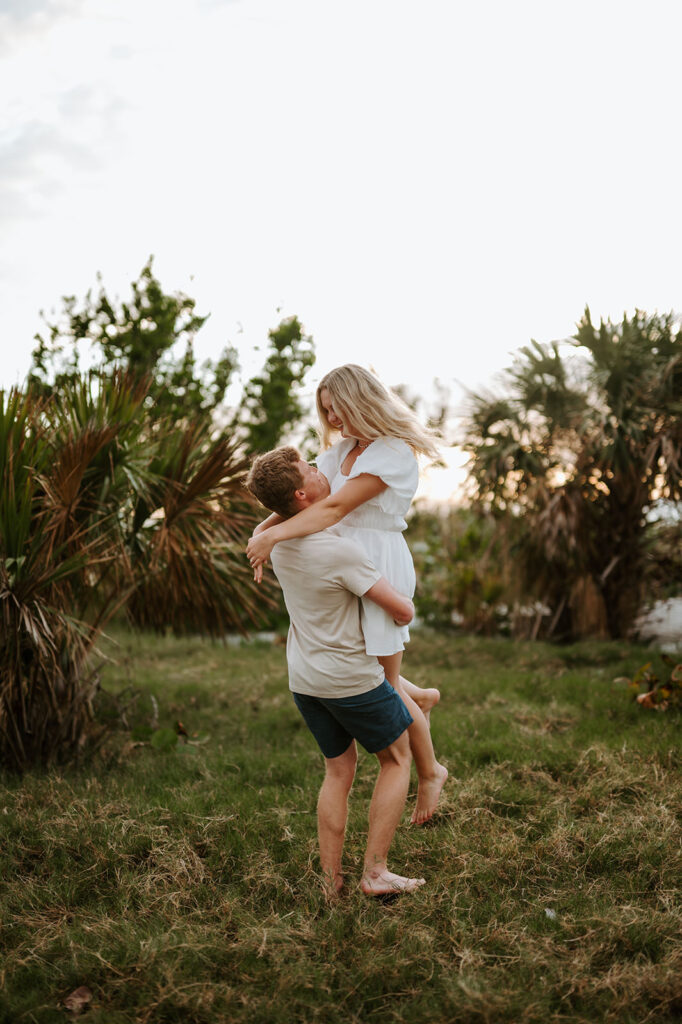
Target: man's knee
(342, 768)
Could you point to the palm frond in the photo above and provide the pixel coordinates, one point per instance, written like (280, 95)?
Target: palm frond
(98, 508)
(188, 551)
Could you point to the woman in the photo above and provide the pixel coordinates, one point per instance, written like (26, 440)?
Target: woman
(373, 474)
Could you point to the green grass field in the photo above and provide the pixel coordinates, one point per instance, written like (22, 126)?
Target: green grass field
(181, 885)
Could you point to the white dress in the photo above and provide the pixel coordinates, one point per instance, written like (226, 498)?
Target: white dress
(377, 525)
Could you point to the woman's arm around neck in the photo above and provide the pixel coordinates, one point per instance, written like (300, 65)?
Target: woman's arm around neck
(324, 513)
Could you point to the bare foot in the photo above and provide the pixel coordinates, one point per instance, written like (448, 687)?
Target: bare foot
(427, 700)
(428, 795)
(385, 883)
(332, 883)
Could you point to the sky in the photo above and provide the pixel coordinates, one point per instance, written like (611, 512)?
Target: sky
(427, 184)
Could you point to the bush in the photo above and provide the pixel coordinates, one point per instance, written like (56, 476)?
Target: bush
(97, 511)
(461, 578)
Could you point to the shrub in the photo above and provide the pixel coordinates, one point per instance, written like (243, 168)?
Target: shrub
(97, 511)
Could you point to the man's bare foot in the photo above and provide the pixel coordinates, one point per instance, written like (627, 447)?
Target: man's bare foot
(428, 795)
(332, 883)
(385, 883)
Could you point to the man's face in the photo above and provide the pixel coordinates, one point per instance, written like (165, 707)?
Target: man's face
(315, 484)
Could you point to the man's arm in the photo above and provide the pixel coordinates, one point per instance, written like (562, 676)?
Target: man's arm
(399, 607)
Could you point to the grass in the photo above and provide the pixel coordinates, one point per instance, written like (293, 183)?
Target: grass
(181, 885)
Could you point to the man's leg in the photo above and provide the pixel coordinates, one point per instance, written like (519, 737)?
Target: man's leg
(385, 811)
(332, 814)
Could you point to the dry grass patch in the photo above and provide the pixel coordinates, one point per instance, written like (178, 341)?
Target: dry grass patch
(181, 886)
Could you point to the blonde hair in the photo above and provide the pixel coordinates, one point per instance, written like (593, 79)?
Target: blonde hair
(364, 405)
(274, 479)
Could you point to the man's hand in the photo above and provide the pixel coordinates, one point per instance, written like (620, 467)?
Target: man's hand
(406, 614)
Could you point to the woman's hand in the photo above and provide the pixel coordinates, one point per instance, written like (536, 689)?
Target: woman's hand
(258, 551)
(315, 517)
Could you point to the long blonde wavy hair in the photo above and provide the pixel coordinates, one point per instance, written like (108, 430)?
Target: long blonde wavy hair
(364, 405)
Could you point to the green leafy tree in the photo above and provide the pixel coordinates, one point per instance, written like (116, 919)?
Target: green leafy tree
(272, 405)
(587, 436)
(150, 340)
(150, 337)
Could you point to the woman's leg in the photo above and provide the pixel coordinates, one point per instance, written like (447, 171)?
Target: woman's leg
(374, 625)
(425, 697)
(431, 774)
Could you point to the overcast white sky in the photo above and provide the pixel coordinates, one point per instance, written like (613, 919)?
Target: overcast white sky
(427, 184)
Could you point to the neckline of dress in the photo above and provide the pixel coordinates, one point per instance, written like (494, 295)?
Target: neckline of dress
(363, 447)
(362, 452)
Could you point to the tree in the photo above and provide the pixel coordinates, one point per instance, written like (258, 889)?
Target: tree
(97, 511)
(272, 406)
(150, 337)
(587, 436)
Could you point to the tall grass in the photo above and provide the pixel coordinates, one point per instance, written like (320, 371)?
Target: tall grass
(180, 885)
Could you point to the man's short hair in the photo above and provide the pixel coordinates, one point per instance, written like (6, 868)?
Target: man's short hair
(274, 478)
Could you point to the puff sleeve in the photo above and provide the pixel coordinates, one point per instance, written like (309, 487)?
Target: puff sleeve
(394, 462)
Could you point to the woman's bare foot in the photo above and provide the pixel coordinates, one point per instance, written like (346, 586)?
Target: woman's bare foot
(385, 883)
(428, 795)
(427, 700)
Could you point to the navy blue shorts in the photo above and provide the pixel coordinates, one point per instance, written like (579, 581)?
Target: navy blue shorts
(375, 719)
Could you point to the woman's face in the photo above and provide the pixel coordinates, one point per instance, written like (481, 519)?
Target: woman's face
(334, 421)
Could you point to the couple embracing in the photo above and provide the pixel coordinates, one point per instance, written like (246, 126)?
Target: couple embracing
(335, 539)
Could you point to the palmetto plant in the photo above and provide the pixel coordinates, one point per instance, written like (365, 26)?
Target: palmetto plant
(588, 435)
(187, 538)
(98, 510)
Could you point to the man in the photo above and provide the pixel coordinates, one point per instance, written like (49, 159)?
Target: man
(339, 689)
